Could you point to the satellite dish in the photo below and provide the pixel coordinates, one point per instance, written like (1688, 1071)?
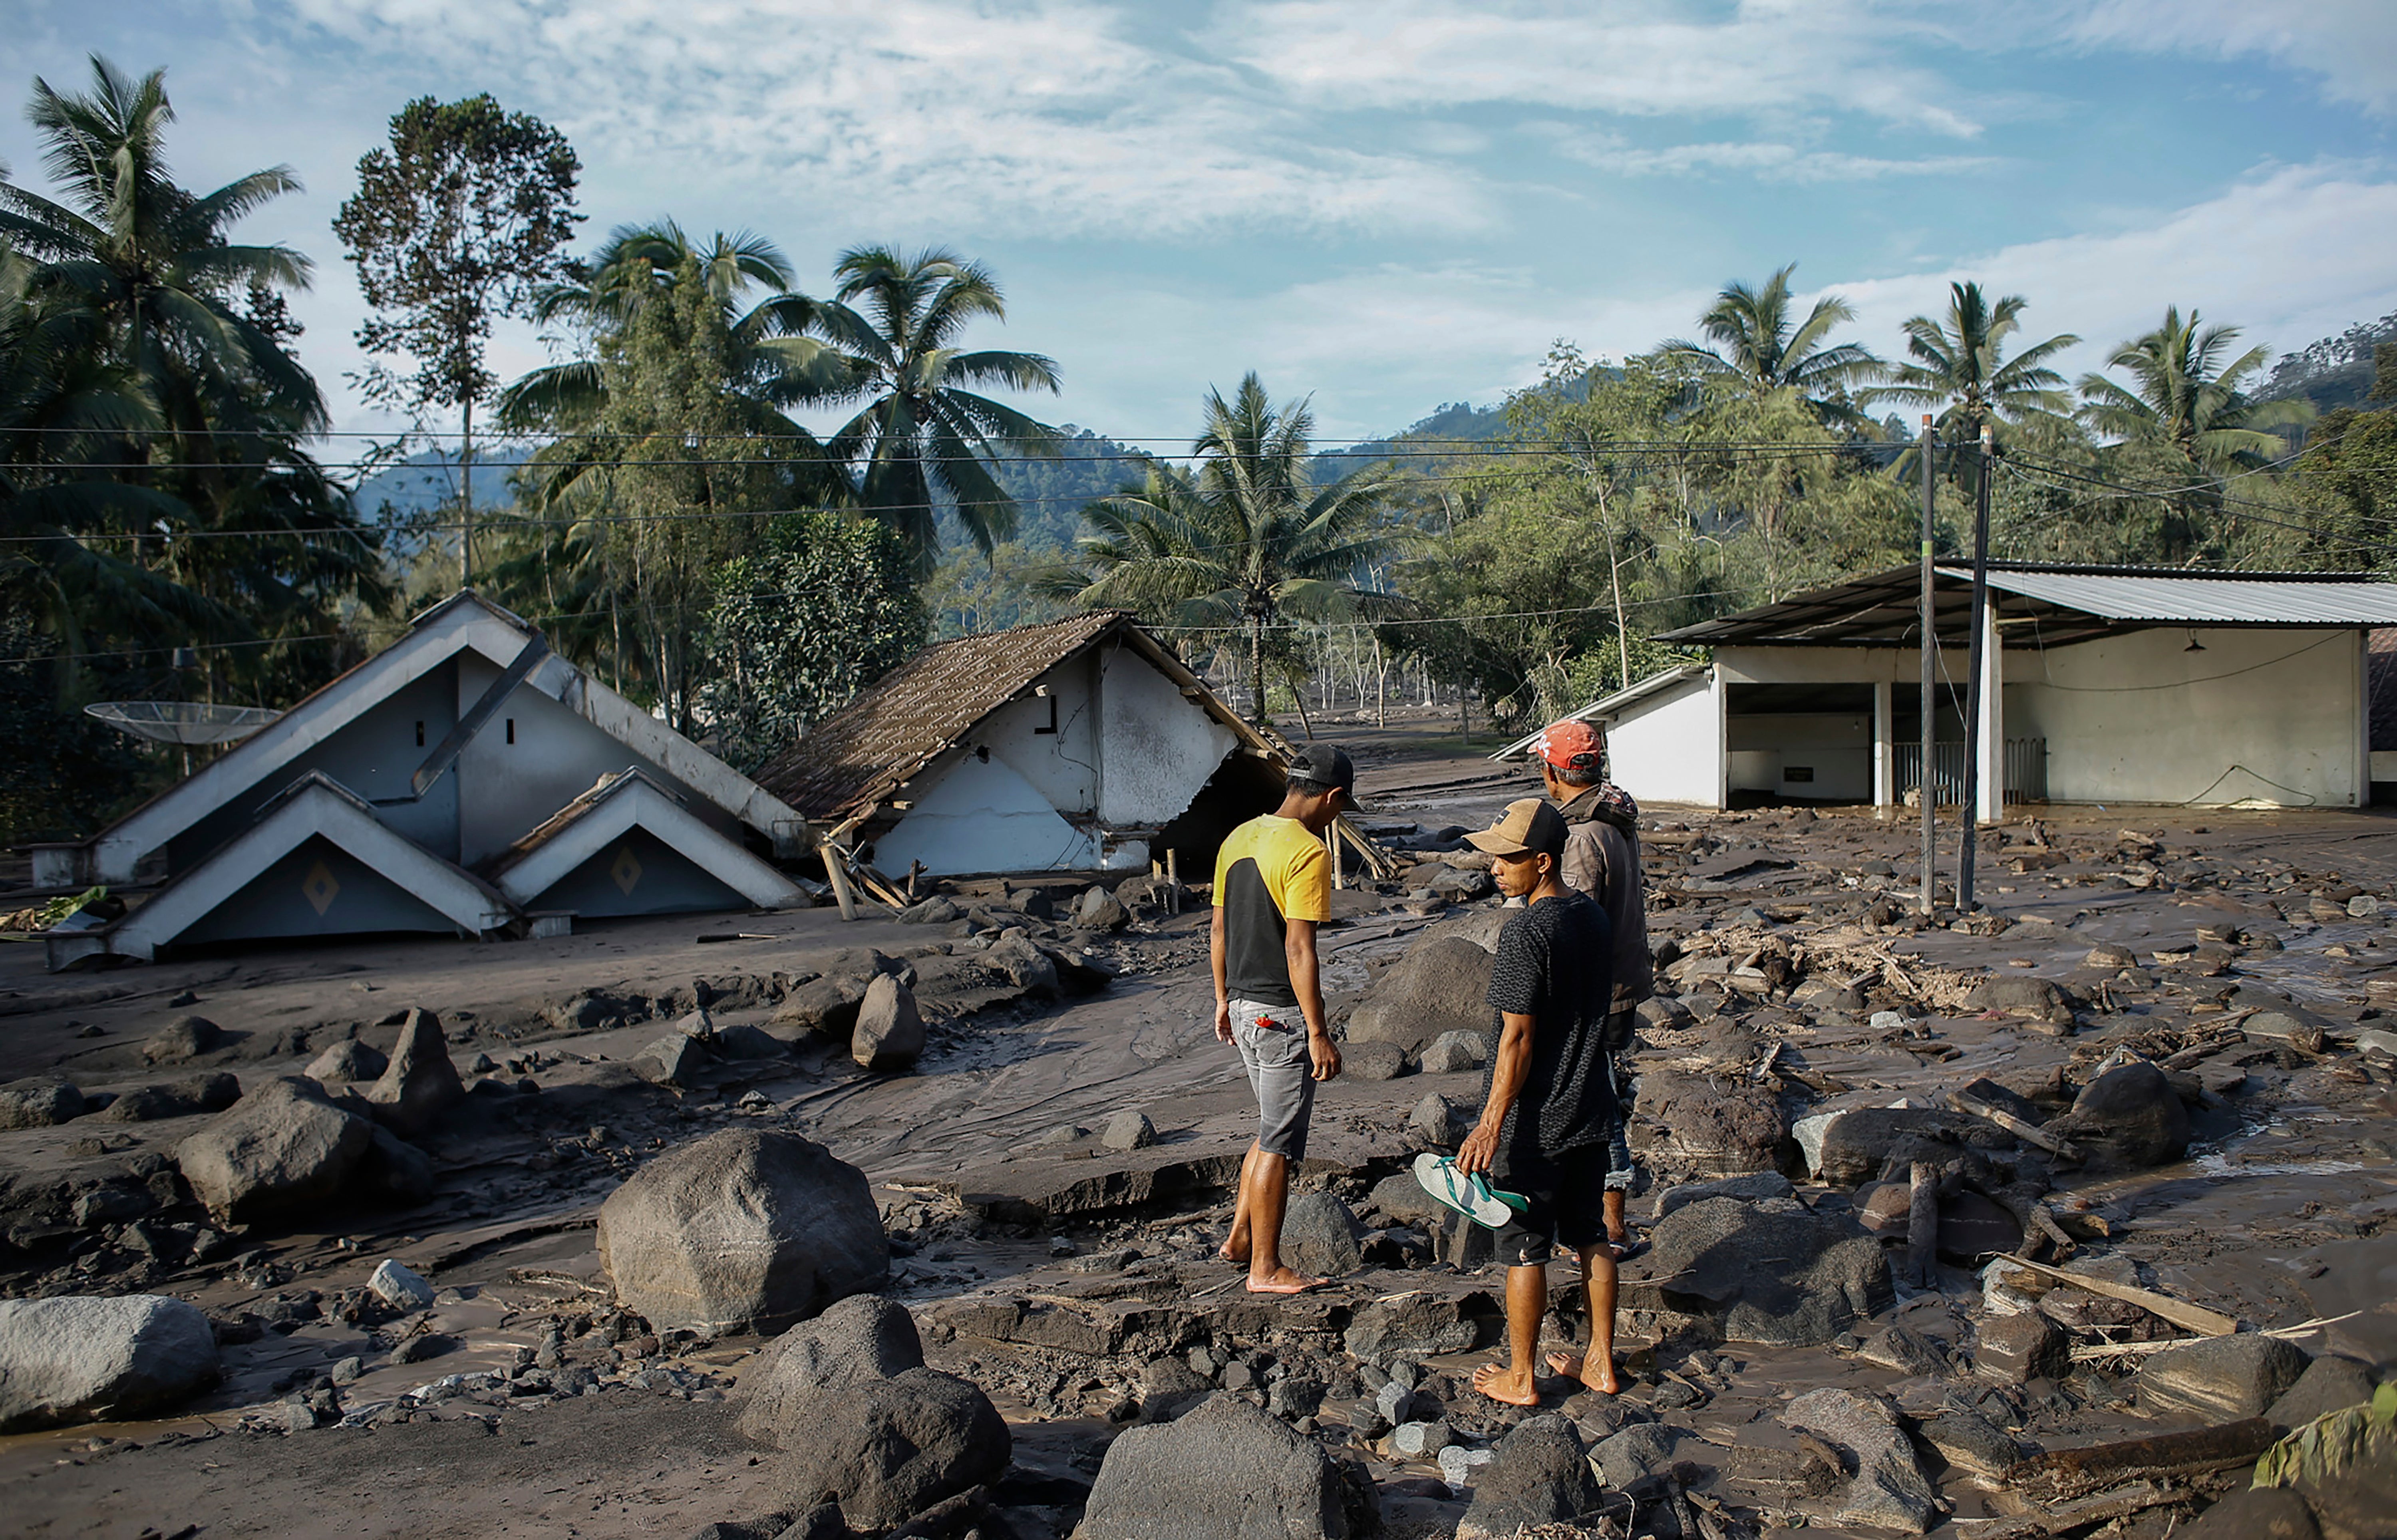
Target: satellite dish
(185, 722)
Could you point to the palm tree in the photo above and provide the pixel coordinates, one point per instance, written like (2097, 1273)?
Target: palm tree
(1752, 347)
(2186, 398)
(1959, 366)
(1246, 541)
(922, 436)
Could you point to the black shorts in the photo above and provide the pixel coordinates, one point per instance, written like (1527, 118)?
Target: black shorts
(1566, 1193)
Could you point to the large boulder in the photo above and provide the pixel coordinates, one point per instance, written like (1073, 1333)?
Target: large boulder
(2256, 1513)
(2219, 1380)
(182, 1040)
(2035, 1001)
(890, 1031)
(1890, 1490)
(39, 1102)
(1319, 1236)
(1223, 1472)
(1793, 1278)
(1858, 1145)
(1026, 966)
(887, 1450)
(2128, 1119)
(826, 1005)
(745, 1230)
(2330, 1384)
(1441, 986)
(347, 1062)
(1715, 1127)
(175, 1099)
(674, 1060)
(74, 1359)
(1541, 1475)
(856, 1341)
(420, 1083)
(282, 1146)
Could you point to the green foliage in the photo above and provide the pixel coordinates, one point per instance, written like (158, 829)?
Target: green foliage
(1959, 368)
(2349, 474)
(1754, 347)
(820, 608)
(2186, 398)
(2332, 1444)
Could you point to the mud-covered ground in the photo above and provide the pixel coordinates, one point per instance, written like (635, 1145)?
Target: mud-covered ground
(1076, 1283)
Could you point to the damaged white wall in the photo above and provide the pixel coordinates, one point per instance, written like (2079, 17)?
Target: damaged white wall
(1073, 780)
(1668, 747)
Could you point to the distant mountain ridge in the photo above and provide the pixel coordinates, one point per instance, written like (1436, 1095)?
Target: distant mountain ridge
(2334, 372)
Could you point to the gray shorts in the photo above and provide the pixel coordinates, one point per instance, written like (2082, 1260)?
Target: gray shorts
(1281, 1071)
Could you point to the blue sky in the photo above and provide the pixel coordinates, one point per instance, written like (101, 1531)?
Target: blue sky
(1386, 204)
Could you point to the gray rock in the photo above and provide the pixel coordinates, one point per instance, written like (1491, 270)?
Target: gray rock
(2256, 1513)
(673, 1059)
(1453, 1052)
(189, 1098)
(1540, 1476)
(886, 1449)
(2030, 999)
(1903, 1350)
(936, 910)
(1128, 1129)
(1422, 1440)
(2128, 1119)
(1025, 964)
(821, 1522)
(74, 1359)
(2013, 1349)
(1223, 1472)
(890, 1031)
(1373, 1060)
(1400, 1200)
(1319, 1236)
(2221, 1379)
(1972, 1442)
(282, 1146)
(1716, 1127)
(856, 1341)
(1794, 1279)
(399, 1286)
(1438, 1123)
(1857, 1144)
(420, 1083)
(745, 1230)
(1888, 1490)
(391, 1171)
(1458, 886)
(1100, 910)
(182, 1040)
(346, 1063)
(2330, 1384)
(1439, 986)
(1410, 1325)
(1460, 1467)
(744, 1041)
(1754, 1188)
(43, 1101)
(1393, 1403)
(1635, 1452)
(826, 1005)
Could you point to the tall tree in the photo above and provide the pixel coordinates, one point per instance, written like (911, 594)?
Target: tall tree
(2186, 398)
(1246, 543)
(1755, 346)
(923, 437)
(1959, 366)
(458, 222)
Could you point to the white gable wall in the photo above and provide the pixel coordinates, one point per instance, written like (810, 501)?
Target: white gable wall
(1160, 747)
(2260, 713)
(1668, 747)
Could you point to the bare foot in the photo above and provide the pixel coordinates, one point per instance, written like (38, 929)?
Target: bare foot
(1606, 1381)
(1281, 1281)
(1502, 1383)
(1226, 1253)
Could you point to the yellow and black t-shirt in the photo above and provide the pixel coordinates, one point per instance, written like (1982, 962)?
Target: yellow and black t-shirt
(1269, 872)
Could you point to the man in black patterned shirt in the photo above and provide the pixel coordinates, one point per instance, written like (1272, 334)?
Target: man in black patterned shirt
(1548, 1102)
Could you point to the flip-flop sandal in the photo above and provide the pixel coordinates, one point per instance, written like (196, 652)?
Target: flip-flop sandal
(1625, 1250)
(1469, 1194)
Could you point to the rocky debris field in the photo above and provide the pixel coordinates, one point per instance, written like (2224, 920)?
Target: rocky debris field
(2067, 1217)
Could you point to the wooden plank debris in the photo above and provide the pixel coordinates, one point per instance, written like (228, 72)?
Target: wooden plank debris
(1972, 1106)
(2193, 1318)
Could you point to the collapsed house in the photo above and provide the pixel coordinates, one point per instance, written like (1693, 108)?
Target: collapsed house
(465, 780)
(1083, 744)
(2102, 684)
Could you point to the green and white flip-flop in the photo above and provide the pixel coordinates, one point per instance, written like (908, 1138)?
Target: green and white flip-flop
(1470, 1194)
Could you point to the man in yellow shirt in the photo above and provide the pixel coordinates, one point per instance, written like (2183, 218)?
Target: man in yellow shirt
(1273, 887)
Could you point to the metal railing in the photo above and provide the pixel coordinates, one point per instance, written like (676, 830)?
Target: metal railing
(2026, 761)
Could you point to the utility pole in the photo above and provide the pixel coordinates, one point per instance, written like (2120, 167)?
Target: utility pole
(1925, 447)
(1972, 819)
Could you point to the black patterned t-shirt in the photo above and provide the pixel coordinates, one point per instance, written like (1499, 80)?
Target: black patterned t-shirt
(1556, 965)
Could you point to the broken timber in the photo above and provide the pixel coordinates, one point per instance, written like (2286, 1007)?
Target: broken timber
(2193, 1318)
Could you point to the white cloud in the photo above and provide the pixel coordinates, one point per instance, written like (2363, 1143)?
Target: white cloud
(1618, 56)
(2350, 44)
(1765, 159)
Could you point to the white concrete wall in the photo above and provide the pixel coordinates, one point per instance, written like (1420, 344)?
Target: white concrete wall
(983, 816)
(1061, 766)
(1668, 747)
(1157, 747)
(1834, 665)
(2268, 714)
(1837, 746)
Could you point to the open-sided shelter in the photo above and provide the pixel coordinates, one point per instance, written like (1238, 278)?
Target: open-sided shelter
(2103, 684)
(1082, 744)
(462, 780)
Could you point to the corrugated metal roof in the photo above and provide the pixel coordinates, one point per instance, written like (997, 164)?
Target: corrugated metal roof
(2206, 599)
(1607, 705)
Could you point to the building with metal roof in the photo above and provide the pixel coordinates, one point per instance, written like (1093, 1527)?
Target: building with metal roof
(1081, 744)
(2103, 684)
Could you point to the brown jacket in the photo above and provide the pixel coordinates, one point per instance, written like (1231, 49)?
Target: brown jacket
(1603, 859)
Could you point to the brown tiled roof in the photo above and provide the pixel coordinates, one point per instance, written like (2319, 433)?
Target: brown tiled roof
(884, 738)
(2380, 687)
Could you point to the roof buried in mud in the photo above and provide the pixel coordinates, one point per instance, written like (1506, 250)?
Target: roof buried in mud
(2054, 604)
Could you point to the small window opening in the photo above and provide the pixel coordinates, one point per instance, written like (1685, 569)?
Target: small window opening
(419, 735)
(1042, 691)
(511, 730)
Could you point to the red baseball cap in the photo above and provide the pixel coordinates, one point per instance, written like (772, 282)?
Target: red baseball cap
(1570, 744)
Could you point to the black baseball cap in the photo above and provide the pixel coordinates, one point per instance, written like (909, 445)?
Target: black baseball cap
(1328, 766)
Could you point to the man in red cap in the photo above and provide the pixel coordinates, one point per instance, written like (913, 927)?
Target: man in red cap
(1601, 859)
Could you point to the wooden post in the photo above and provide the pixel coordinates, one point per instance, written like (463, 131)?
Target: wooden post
(839, 878)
